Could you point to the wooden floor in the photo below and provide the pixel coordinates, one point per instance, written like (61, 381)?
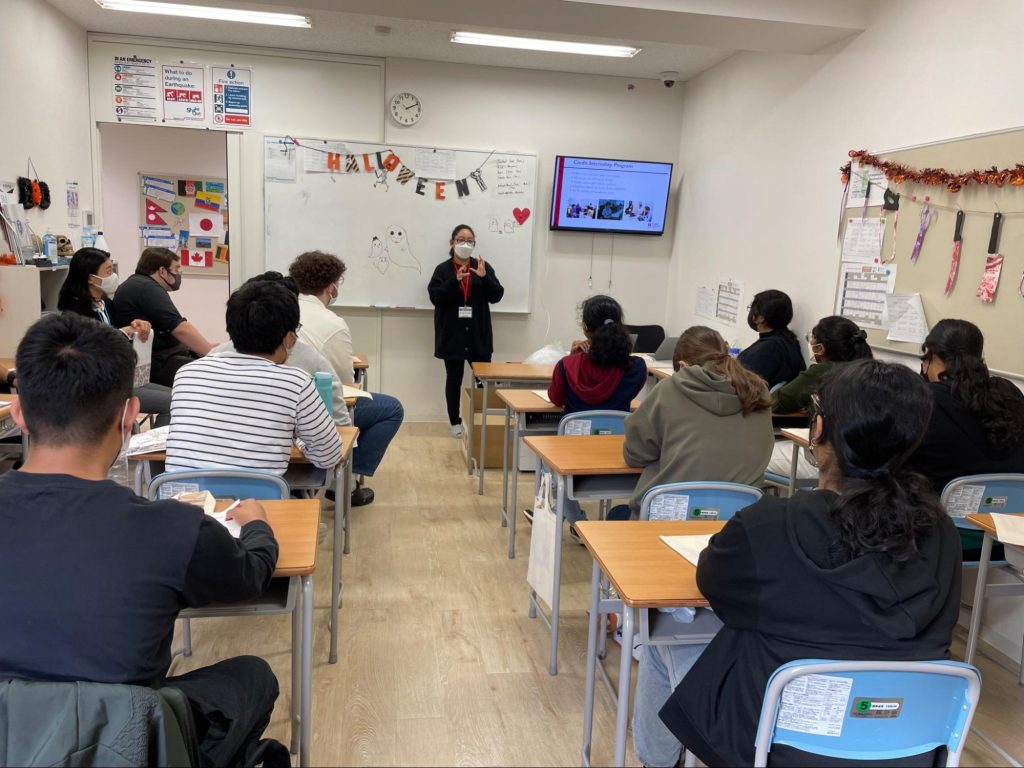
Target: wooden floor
(439, 663)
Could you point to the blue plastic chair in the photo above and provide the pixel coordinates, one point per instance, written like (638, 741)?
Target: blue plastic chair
(223, 483)
(999, 493)
(918, 707)
(697, 500)
(593, 423)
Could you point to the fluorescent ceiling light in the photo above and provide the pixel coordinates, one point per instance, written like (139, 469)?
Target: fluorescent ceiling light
(206, 12)
(536, 44)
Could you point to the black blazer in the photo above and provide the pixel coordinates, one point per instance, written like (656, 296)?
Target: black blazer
(784, 592)
(458, 338)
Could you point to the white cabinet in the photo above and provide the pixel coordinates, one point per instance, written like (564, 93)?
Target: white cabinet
(25, 292)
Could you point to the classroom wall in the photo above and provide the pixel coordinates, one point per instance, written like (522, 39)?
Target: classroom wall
(128, 150)
(763, 137)
(544, 113)
(44, 91)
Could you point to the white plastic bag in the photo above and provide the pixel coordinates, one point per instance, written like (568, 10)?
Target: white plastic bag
(540, 571)
(546, 355)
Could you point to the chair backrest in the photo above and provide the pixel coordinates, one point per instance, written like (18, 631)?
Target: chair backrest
(593, 423)
(983, 493)
(697, 501)
(648, 337)
(868, 710)
(222, 483)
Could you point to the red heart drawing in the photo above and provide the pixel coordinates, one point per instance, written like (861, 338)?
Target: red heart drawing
(521, 215)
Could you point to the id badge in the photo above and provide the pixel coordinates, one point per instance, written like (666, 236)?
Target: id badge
(465, 313)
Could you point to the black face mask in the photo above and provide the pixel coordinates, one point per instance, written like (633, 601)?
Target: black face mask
(177, 281)
(751, 321)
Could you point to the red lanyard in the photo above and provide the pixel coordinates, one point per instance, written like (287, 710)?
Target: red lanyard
(464, 283)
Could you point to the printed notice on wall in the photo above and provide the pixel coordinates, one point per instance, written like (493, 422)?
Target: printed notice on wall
(184, 93)
(435, 164)
(727, 305)
(862, 292)
(866, 182)
(815, 704)
(280, 159)
(232, 96)
(862, 240)
(136, 89)
(707, 298)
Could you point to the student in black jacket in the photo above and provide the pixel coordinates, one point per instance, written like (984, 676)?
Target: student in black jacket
(977, 425)
(865, 567)
(462, 289)
(776, 355)
(92, 577)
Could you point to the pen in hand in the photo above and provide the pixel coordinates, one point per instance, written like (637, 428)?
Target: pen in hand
(227, 512)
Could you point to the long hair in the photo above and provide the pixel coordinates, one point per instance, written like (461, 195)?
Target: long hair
(873, 416)
(703, 346)
(841, 338)
(609, 339)
(75, 290)
(960, 344)
(776, 308)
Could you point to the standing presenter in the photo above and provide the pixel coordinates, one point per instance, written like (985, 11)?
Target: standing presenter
(462, 290)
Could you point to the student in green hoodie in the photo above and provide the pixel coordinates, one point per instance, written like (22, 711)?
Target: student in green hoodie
(710, 421)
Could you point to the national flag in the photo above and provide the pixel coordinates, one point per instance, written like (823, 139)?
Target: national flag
(197, 258)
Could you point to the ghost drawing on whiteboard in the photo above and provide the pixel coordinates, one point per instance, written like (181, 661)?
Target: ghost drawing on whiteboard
(393, 250)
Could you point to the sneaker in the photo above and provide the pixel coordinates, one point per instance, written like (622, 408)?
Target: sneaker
(575, 535)
(636, 642)
(362, 496)
(528, 514)
(456, 431)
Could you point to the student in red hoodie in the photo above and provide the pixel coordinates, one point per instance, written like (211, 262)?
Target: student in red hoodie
(598, 374)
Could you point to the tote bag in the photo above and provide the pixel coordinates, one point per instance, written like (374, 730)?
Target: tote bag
(540, 571)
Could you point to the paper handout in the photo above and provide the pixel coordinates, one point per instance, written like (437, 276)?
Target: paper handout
(690, 546)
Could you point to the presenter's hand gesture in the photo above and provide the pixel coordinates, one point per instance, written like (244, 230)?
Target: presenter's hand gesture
(462, 273)
(481, 268)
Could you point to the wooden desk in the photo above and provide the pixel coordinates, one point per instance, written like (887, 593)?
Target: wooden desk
(647, 574)
(800, 438)
(499, 374)
(528, 413)
(586, 467)
(5, 411)
(342, 505)
(360, 364)
(295, 523)
(7, 362)
(7, 426)
(660, 371)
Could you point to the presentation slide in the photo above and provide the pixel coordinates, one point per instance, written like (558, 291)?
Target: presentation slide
(592, 194)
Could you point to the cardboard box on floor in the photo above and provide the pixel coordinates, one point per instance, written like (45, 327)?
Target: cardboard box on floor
(495, 427)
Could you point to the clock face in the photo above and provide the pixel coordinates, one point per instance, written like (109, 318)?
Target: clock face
(406, 108)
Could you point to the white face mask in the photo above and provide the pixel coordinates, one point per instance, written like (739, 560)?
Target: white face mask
(463, 250)
(118, 471)
(108, 284)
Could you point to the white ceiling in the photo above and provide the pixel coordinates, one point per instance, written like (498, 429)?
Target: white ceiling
(687, 36)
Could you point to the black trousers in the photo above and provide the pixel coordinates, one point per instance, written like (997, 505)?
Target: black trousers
(453, 384)
(231, 701)
(165, 368)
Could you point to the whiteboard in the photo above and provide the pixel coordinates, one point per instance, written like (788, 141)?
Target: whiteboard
(376, 207)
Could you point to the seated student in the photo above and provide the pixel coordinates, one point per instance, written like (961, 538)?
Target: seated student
(598, 374)
(92, 577)
(319, 277)
(977, 424)
(865, 567)
(244, 408)
(832, 341)
(302, 356)
(143, 296)
(86, 290)
(709, 421)
(775, 356)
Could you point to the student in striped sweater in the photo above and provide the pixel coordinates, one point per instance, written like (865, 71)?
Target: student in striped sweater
(244, 408)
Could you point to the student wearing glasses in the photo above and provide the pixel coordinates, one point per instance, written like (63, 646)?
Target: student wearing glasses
(462, 290)
(775, 356)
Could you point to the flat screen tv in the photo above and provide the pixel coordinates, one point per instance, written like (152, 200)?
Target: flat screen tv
(622, 197)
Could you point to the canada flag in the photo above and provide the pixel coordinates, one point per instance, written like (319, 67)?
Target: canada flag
(197, 258)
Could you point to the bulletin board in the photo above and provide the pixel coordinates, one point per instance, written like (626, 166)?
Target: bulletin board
(189, 216)
(388, 211)
(1000, 320)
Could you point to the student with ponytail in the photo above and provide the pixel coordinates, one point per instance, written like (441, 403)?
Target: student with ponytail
(865, 567)
(599, 373)
(775, 356)
(977, 424)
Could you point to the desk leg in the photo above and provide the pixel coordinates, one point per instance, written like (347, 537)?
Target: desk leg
(470, 445)
(346, 490)
(296, 672)
(504, 469)
(340, 523)
(793, 464)
(588, 693)
(305, 705)
(979, 598)
(139, 475)
(555, 595)
(483, 440)
(625, 671)
(513, 510)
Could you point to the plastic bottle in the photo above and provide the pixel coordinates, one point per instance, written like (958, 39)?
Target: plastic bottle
(88, 237)
(50, 246)
(101, 242)
(734, 347)
(324, 383)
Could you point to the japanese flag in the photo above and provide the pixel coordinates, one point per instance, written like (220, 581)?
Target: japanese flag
(206, 225)
(197, 258)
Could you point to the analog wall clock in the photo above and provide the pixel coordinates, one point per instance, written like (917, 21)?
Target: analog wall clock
(406, 108)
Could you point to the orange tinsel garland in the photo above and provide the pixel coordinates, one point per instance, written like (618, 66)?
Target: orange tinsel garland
(953, 181)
